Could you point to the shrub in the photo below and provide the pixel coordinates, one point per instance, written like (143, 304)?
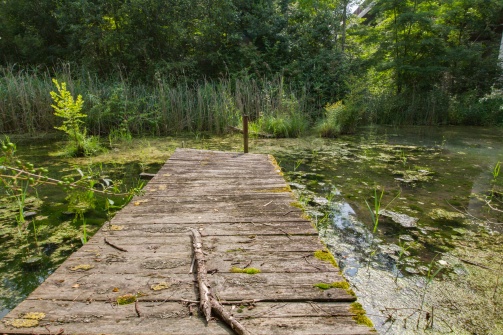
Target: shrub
(69, 109)
(339, 119)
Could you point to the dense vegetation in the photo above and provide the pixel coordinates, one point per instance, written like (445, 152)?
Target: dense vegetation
(162, 67)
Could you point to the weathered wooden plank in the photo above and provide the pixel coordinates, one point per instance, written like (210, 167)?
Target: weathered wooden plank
(189, 176)
(202, 218)
(182, 243)
(171, 182)
(266, 243)
(156, 318)
(98, 317)
(165, 190)
(64, 312)
(257, 198)
(261, 204)
(93, 286)
(131, 231)
(306, 326)
(114, 261)
(156, 206)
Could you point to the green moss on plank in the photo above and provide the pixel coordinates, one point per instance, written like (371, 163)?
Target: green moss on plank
(339, 284)
(360, 316)
(325, 256)
(126, 299)
(297, 204)
(249, 271)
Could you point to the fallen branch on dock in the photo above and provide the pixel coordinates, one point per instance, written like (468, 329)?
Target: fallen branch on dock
(207, 301)
(114, 246)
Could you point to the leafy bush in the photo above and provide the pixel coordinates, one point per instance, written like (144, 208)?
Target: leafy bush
(69, 109)
(469, 109)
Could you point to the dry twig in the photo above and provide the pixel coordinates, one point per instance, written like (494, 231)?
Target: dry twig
(207, 300)
(114, 246)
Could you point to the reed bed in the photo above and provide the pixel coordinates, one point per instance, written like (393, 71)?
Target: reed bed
(156, 108)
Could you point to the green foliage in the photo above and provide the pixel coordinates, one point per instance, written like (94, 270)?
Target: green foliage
(70, 110)
(16, 185)
(20, 181)
(283, 119)
(166, 67)
(283, 125)
(430, 62)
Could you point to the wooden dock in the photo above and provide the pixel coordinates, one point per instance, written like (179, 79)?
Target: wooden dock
(247, 218)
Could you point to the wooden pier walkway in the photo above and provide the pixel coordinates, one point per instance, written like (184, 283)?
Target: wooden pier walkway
(246, 215)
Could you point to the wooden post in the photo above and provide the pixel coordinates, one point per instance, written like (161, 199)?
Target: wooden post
(245, 133)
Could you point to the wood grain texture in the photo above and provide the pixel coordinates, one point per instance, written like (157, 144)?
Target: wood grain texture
(247, 217)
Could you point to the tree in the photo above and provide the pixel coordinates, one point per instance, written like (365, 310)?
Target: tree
(29, 32)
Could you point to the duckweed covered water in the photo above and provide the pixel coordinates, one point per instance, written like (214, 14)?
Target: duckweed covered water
(433, 264)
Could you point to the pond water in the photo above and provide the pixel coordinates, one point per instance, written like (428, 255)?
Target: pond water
(432, 264)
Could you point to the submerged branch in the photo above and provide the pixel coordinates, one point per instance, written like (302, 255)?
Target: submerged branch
(52, 181)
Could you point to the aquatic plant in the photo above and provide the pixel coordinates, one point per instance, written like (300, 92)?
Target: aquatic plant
(20, 179)
(374, 212)
(70, 110)
(401, 256)
(432, 273)
(330, 125)
(15, 184)
(495, 172)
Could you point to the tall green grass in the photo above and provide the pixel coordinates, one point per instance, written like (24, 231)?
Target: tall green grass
(155, 108)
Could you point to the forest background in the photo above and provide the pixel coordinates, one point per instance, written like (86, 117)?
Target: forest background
(163, 67)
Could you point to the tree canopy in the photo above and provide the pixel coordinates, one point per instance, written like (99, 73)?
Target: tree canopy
(413, 46)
